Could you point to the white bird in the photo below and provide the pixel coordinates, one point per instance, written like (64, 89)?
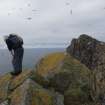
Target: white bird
(9, 14)
(71, 12)
(67, 3)
(29, 18)
(29, 5)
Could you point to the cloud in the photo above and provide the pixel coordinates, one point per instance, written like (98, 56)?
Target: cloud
(52, 21)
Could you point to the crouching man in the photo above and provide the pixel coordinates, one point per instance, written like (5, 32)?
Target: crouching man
(15, 46)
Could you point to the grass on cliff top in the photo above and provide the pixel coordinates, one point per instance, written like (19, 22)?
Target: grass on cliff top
(70, 64)
(64, 68)
(52, 62)
(49, 63)
(13, 82)
(21, 78)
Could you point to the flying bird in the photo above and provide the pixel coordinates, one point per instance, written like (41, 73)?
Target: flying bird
(9, 14)
(67, 3)
(29, 18)
(71, 12)
(29, 5)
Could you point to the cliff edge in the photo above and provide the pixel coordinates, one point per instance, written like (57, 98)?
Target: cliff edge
(75, 77)
(58, 79)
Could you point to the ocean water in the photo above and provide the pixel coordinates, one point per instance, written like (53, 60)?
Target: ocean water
(31, 57)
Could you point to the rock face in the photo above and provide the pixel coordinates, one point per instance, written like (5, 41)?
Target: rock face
(67, 76)
(91, 52)
(30, 93)
(22, 90)
(59, 78)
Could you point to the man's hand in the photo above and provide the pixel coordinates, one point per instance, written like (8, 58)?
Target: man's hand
(12, 53)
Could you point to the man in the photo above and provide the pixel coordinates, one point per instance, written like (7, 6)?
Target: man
(15, 46)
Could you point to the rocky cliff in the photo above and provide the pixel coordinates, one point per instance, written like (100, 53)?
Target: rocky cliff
(58, 79)
(73, 78)
(22, 90)
(91, 52)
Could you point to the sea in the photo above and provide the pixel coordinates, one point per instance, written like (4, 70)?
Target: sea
(31, 57)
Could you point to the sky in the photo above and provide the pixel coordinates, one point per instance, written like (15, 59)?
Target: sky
(51, 23)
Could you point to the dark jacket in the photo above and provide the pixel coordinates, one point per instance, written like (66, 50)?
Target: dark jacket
(9, 44)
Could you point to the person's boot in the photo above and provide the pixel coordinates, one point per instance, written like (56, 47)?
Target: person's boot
(13, 73)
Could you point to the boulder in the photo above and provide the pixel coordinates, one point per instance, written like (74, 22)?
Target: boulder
(4, 103)
(4, 83)
(18, 80)
(68, 74)
(9, 83)
(31, 93)
(22, 90)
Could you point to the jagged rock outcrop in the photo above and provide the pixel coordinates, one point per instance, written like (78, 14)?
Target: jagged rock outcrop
(91, 52)
(22, 90)
(67, 76)
(7, 83)
(58, 79)
(31, 93)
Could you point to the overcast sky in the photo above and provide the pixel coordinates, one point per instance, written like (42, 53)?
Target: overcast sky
(52, 23)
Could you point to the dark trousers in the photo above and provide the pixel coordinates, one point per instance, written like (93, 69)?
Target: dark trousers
(17, 60)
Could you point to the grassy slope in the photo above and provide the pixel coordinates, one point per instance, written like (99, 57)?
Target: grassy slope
(70, 77)
(49, 63)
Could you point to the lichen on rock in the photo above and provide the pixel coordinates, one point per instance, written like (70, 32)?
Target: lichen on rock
(31, 93)
(91, 52)
(69, 74)
(75, 77)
